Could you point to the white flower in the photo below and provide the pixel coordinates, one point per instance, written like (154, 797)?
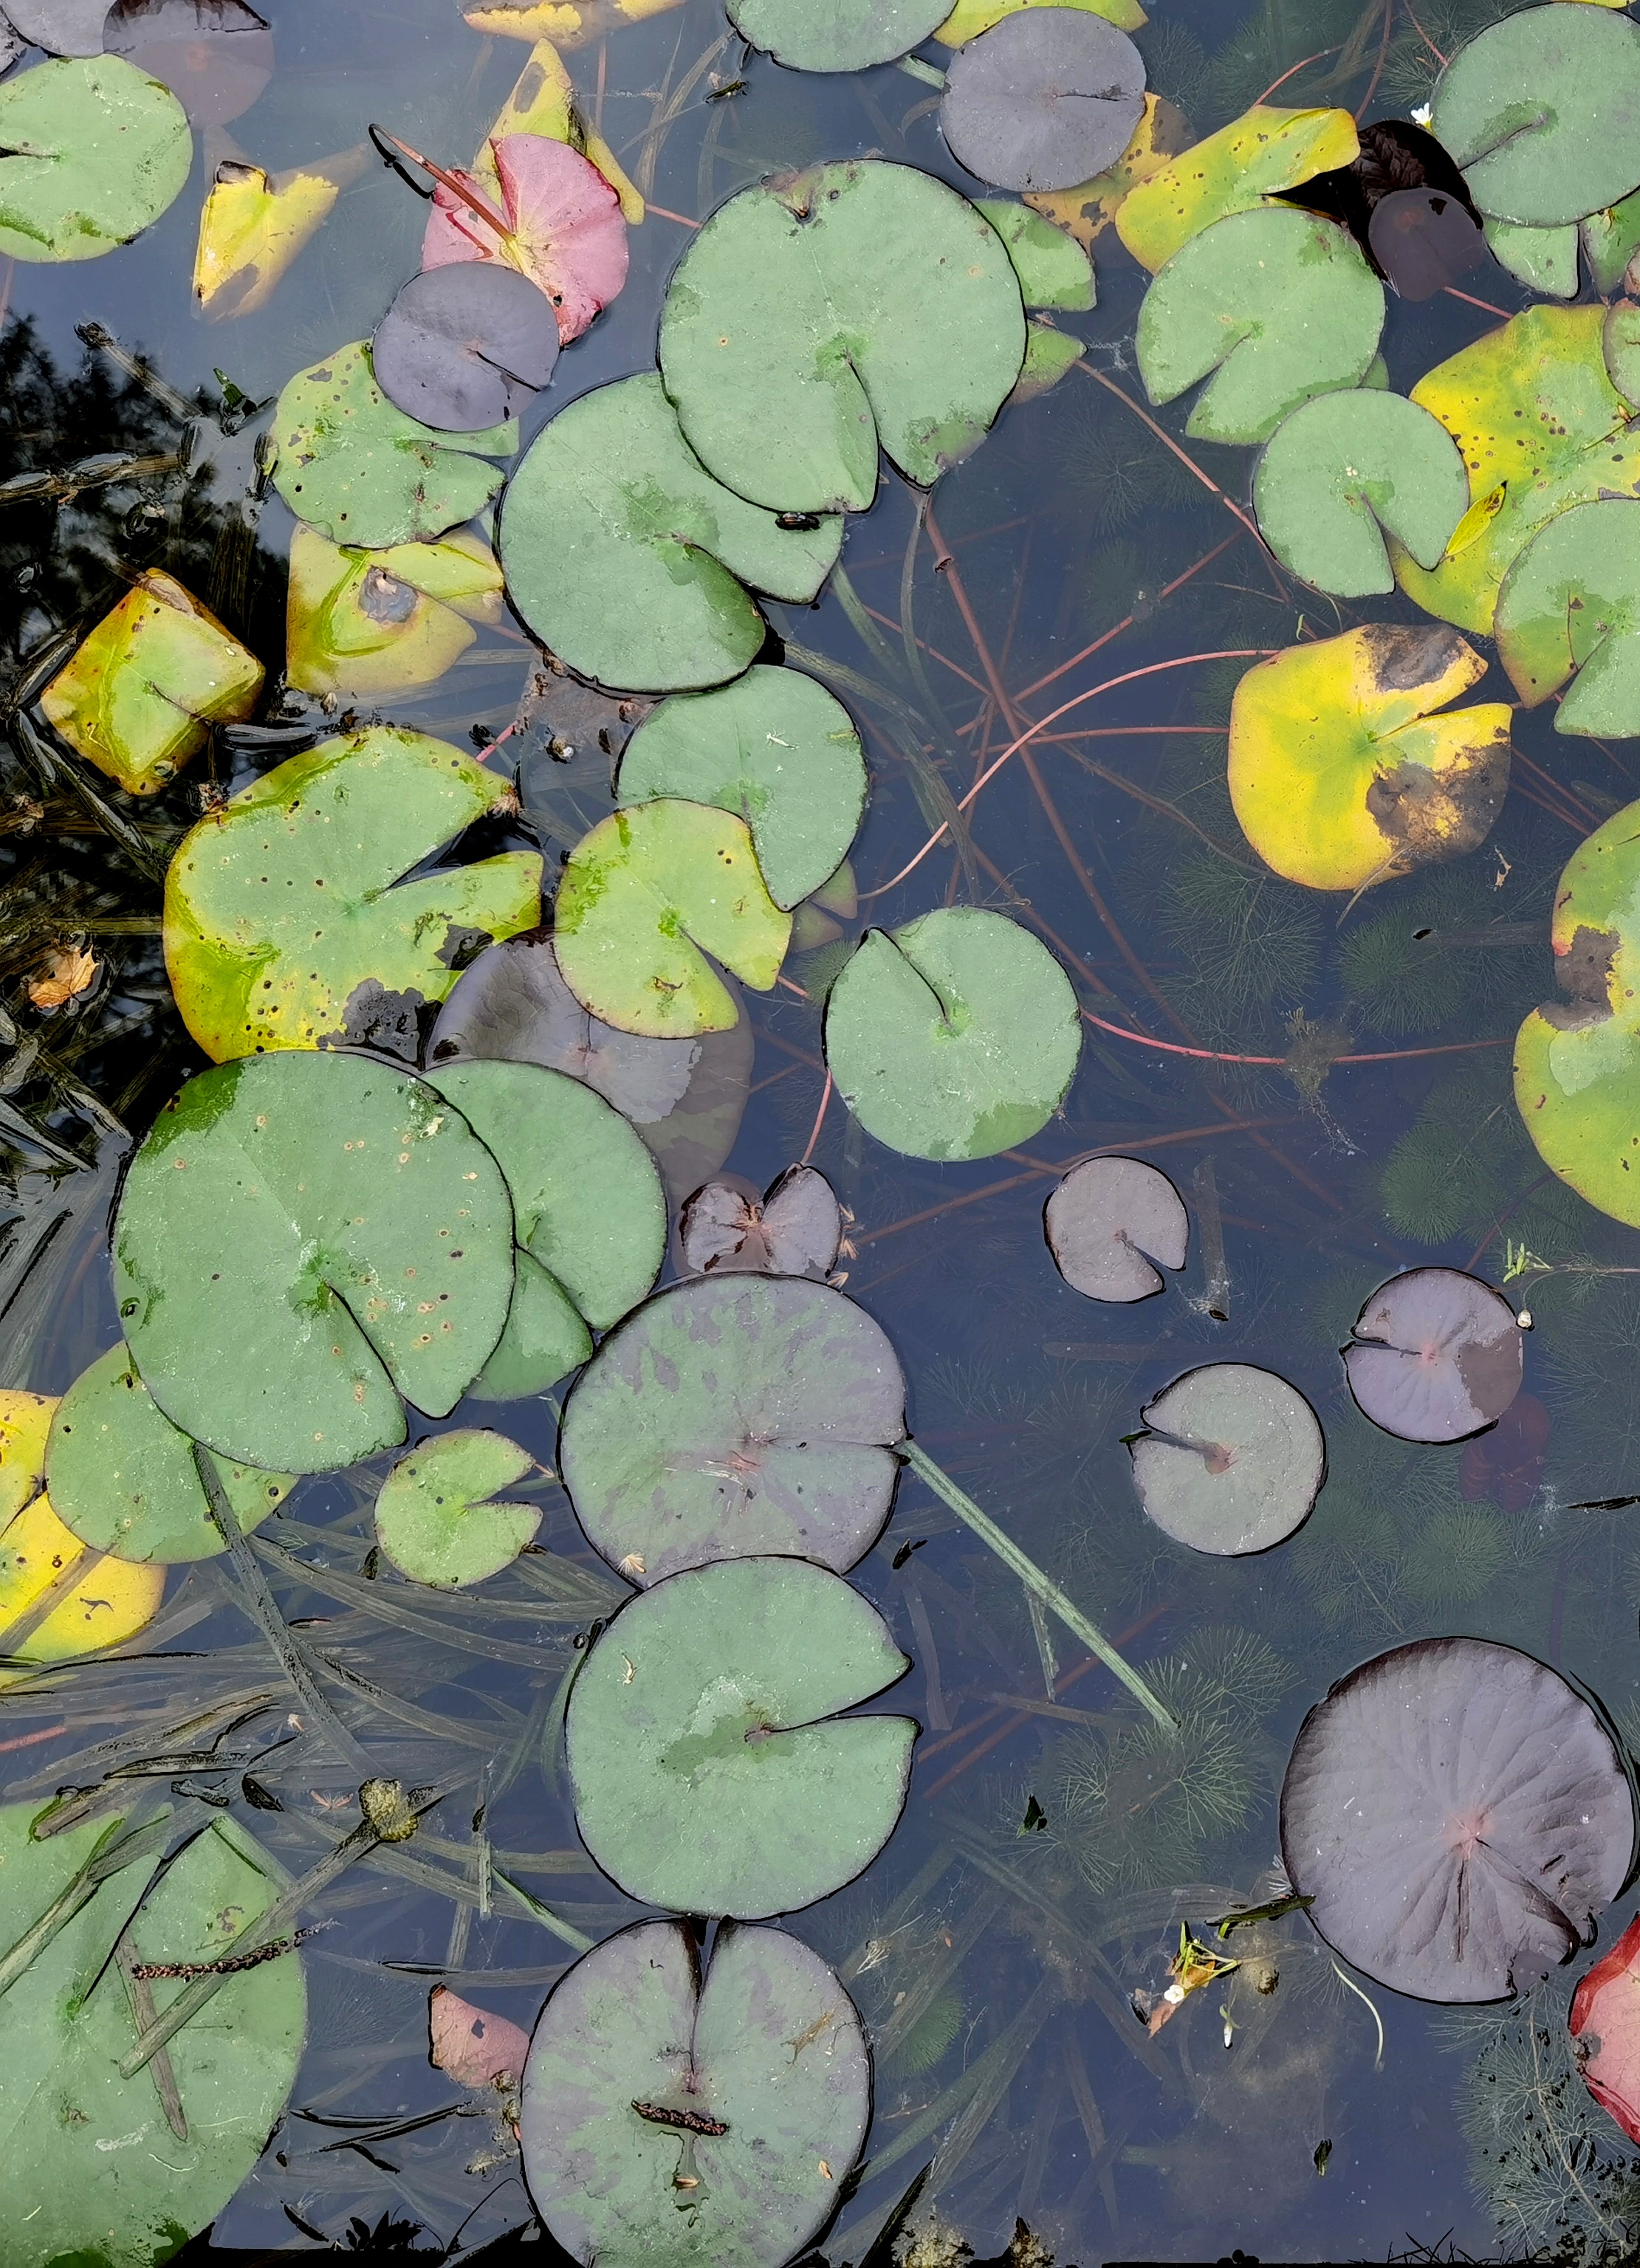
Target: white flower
(1421, 116)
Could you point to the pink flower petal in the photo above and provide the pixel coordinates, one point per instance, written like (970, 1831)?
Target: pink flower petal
(567, 234)
(1607, 2008)
(476, 2048)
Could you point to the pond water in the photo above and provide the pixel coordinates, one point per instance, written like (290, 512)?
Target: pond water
(1328, 1088)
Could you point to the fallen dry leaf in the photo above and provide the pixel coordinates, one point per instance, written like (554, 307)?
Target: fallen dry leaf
(68, 972)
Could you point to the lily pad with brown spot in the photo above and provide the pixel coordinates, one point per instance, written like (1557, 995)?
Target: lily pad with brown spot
(362, 623)
(1436, 1356)
(1232, 1459)
(1267, 149)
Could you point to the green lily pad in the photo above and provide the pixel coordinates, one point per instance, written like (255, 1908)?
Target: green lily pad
(1340, 465)
(1620, 346)
(644, 898)
(954, 1037)
(1280, 304)
(95, 2171)
(815, 318)
(836, 35)
(712, 1771)
(1611, 237)
(94, 152)
(1266, 149)
(123, 1478)
(734, 1416)
(588, 1208)
(776, 748)
(1542, 259)
(435, 1520)
(1540, 426)
(1052, 269)
(1049, 355)
(1578, 1058)
(622, 554)
(769, 2050)
(1543, 112)
(301, 1238)
(1570, 605)
(287, 923)
(362, 472)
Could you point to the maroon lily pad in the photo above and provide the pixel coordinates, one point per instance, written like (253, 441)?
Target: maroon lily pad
(794, 1229)
(1459, 1816)
(1605, 2024)
(1437, 1355)
(215, 56)
(466, 347)
(476, 2048)
(1108, 1220)
(1423, 239)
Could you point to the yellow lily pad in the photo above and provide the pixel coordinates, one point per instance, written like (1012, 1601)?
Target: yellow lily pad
(25, 1426)
(99, 1602)
(543, 102)
(572, 23)
(1266, 148)
(1340, 773)
(1088, 210)
(140, 696)
(252, 226)
(969, 18)
(360, 623)
(1534, 411)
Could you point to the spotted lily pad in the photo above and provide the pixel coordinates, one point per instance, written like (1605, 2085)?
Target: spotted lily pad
(1233, 1459)
(735, 1415)
(1341, 464)
(465, 346)
(1265, 151)
(94, 151)
(758, 2079)
(1277, 304)
(1570, 606)
(835, 35)
(817, 317)
(622, 554)
(362, 623)
(1105, 1223)
(1436, 1357)
(287, 923)
(954, 1037)
(713, 1770)
(301, 1238)
(24, 1425)
(1342, 773)
(1459, 1816)
(776, 748)
(436, 1519)
(1543, 112)
(1090, 207)
(1048, 97)
(794, 1229)
(123, 1479)
(1605, 2024)
(644, 898)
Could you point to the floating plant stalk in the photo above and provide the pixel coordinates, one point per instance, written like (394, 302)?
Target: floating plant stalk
(113, 1851)
(1033, 1579)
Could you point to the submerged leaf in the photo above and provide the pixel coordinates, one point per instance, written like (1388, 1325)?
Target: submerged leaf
(835, 35)
(94, 151)
(1233, 1460)
(215, 56)
(1339, 465)
(466, 346)
(360, 623)
(1570, 605)
(1105, 1223)
(1543, 112)
(436, 1519)
(252, 226)
(1436, 1356)
(559, 223)
(1046, 99)
(1265, 151)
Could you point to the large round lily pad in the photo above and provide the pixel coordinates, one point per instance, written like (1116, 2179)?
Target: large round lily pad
(777, 750)
(301, 1238)
(287, 923)
(1570, 604)
(836, 35)
(814, 317)
(1106, 1222)
(1278, 304)
(94, 151)
(1543, 112)
(644, 898)
(94, 2167)
(466, 346)
(1341, 464)
(1048, 97)
(436, 1519)
(629, 560)
(1459, 1816)
(954, 1037)
(123, 1479)
(1342, 773)
(755, 2086)
(735, 1415)
(712, 1771)
(1267, 149)
(1233, 1460)
(1436, 1357)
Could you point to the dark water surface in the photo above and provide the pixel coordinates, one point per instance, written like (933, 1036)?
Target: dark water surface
(1071, 549)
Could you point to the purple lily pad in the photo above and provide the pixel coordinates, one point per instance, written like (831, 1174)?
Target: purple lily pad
(466, 347)
(794, 1229)
(709, 2126)
(1233, 1460)
(1461, 1817)
(1423, 239)
(215, 56)
(1437, 1355)
(1048, 97)
(1108, 1220)
(62, 27)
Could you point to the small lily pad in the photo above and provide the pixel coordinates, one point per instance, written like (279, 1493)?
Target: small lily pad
(709, 2126)
(774, 747)
(1233, 1460)
(1341, 772)
(794, 1229)
(435, 1517)
(733, 1415)
(215, 56)
(362, 623)
(1258, 155)
(969, 18)
(123, 1479)
(1437, 1355)
(954, 1037)
(466, 346)
(1543, 112)
(1105, 1223)
(1569, 606)
(835, 35)
(1344, 462)
(1048, 97)
(95, 152)
(1423, 239)
(475, 2047)
(644, 898)
(712, 1771)
(558, 224)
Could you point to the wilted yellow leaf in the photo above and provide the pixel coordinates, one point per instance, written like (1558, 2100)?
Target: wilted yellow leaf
(1266, 148)
(572, 23)
(358, 623)
(969, 18)
(90, 1600)
(68, 972)
(1088, 210)
(25, 1422)
(252, 227)
(543, 102)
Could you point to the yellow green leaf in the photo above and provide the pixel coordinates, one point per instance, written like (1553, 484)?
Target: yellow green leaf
(140, 696)
(252, 226)
(543, 102)
(1340, 773)
(360, 623)
(1232, 171)
(25, 1423)
(97, 1602)
(969, 18)
(1088, 210)
(572, 23)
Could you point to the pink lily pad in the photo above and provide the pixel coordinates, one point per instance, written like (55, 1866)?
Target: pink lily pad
(1105, 1223)
(1605, 2023)
(560, 224)
(1436, 1357)
(476, 2048)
